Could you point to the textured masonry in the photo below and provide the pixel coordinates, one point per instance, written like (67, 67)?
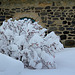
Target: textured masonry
(55, 17)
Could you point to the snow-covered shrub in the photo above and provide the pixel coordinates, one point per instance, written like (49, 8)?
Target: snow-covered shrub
(26, 41)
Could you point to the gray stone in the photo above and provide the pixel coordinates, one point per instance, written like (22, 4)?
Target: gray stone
(63, 37)
(52, 28)
(70, 43)
(61, 28)
(66, 32)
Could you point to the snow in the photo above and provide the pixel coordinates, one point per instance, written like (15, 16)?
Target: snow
(10, 66)
(26, 41)
(65, 61)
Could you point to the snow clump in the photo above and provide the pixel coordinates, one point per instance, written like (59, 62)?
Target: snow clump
(26, 41)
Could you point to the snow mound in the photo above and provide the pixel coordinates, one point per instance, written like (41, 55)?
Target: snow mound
(26, 41)
(10, 66)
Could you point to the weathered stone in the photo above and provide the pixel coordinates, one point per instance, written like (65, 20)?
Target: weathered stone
(73, 7)
(63, 37)
(0, 3)
(0, 9)
(43, 13)
(62, 18)
(52, 28)
(69, 38)
(64, 22)
(61, 28)
(48, 10)
(6, 10)
(44, 21)
(70, 10)
(2, 19)
(42, 18)
(50, 22)
(66, 32)
(71, 13)
(63, 15)
(53, 4)
(68, 18)
(38, 8)
(8, 17)
(73, 22)
(49, 31)
(61, 8)
(67, 7)
(49, 18)
(17, 9)
(54, 7)
(58, 15)
(69, 23)
(47, 7)
(66, 26)
(37, 11)
(58, 32)
(69, 43)
(47, 25)
(73, 32)
(1, 13)
(71, 35)
(52, 16)
(0, 24)
(74, 16)
(69, 28)
(55, 19)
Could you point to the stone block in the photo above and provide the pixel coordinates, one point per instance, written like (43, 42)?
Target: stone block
(69, 43)
(38, 8)
(48, 10)
(61, 28)
(2, 19)
(73, 7)
(64, 22)
(63, 37)
(47, 7)
(50, 22)
(57, 13)
(73, 22)
(44, 21)
(43, 13)
(47, 25)
(1, 13)
(52, 28)
(6, 13)
(69, 28)
(61, 8)
(58, 32)
(54, 7)
(55, 18)
(62, 18)
(67, 7)
(73, 32)
(66, 32)
(68, 18)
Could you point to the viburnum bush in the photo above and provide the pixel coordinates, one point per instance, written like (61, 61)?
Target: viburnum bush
(26, 41)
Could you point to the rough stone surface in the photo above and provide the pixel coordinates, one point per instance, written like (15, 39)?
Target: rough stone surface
(69, 43)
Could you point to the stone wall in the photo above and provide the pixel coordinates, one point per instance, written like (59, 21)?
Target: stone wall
(57, 16)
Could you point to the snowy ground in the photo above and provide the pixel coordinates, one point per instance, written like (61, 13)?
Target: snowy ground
(65, 61)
